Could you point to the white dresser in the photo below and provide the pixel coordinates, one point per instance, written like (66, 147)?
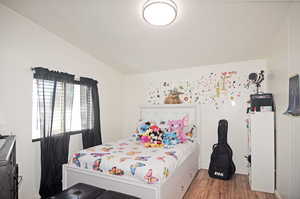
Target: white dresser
(261, 139)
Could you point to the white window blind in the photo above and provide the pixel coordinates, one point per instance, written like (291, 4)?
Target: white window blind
(66, 116)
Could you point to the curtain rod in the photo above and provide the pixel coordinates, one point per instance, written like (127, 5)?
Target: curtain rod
(76, 77)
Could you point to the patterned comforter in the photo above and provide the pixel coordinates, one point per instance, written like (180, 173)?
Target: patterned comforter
(128, 157)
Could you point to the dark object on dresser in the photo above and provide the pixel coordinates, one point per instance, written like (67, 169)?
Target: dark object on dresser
(85, 191)
(8, 168)
(221, 164)
(261, 100)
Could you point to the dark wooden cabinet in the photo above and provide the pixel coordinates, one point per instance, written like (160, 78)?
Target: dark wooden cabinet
(8, 168)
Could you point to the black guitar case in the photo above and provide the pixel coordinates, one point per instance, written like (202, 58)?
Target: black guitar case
(221, 164)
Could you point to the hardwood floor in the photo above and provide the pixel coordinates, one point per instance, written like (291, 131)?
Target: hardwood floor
(204, 187)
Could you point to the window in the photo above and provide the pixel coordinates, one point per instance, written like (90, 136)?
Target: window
(72, 113)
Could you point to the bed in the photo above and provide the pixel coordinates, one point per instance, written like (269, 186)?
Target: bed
(182, 167)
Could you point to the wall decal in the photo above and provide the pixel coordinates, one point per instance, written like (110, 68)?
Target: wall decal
(211, 88)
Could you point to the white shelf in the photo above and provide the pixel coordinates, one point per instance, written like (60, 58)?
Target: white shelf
(261, 147)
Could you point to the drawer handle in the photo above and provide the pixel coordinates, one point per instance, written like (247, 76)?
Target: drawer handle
(182, 187)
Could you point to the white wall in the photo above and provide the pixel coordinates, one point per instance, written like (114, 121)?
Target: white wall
(134, 92)
(24, 45)
(284, 61)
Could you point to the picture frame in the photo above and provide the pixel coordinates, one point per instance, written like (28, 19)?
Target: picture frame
(294, 96)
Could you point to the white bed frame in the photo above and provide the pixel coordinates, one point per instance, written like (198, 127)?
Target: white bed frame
(173, 188)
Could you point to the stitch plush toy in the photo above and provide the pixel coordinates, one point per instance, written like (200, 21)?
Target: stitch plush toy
(178, 126)
(170, 139)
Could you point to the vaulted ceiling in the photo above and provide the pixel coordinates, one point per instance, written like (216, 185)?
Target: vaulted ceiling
(205, 32)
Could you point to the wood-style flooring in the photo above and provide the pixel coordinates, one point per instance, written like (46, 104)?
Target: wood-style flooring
(204, 187)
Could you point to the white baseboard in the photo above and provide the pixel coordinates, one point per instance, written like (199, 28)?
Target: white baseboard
(277, 195)
(241, 172)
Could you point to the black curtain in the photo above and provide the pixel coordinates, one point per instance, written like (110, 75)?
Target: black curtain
(90, 113)
(55, 92)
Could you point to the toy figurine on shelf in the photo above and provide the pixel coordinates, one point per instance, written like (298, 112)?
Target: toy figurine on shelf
(173, 97)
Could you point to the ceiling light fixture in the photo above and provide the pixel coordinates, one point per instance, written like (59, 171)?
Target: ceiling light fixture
(160, 12)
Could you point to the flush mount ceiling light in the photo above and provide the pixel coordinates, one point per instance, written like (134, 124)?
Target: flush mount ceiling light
(160, 12)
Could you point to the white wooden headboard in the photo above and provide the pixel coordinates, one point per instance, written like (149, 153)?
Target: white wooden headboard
(171, 112)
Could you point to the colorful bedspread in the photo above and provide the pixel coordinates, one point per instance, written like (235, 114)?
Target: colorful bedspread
(128, 157)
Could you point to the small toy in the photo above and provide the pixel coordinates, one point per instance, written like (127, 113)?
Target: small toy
(190, 134)
(116, 171)
(134, 166)
(170, 139)
(150, 179)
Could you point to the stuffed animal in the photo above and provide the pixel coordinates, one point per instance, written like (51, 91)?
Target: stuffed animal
(156, 137)
(144, 127)
(145, 138)
(178, 126)
(170, 138)
(141, 130)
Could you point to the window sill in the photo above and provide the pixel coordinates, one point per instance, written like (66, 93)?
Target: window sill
(70, 133)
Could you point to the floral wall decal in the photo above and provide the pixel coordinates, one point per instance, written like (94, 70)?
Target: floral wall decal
(211, 88)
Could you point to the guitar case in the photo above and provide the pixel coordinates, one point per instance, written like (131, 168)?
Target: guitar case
(221, 164)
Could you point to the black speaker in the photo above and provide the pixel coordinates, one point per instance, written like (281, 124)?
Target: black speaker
(259, 100)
